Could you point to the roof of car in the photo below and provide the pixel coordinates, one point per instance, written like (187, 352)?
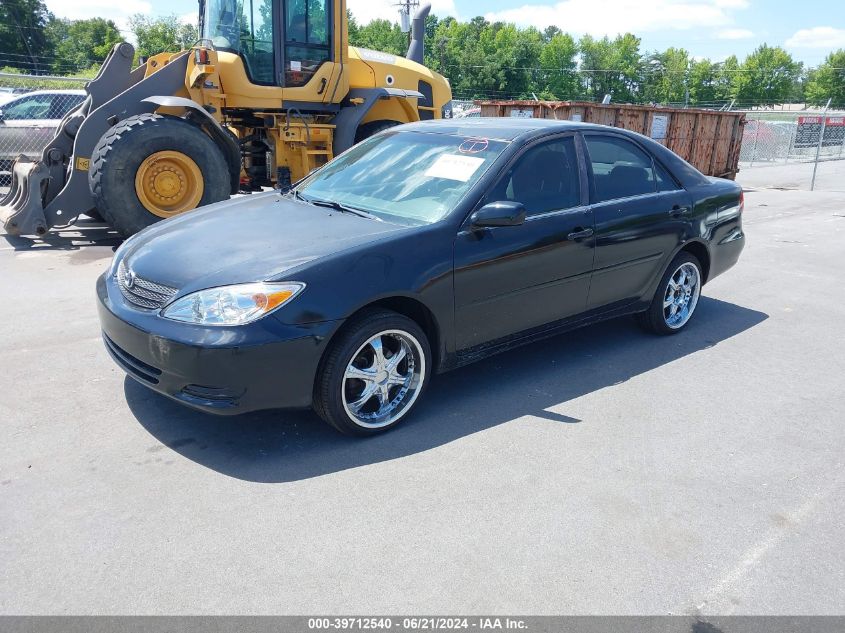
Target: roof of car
(512, 129)
(49, 92)
(506, 129)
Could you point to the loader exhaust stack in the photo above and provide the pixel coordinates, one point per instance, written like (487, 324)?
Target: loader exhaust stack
(416, 50)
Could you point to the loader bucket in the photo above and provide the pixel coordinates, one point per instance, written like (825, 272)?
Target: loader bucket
(21, 209)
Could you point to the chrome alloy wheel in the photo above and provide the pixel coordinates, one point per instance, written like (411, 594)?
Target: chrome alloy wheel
(681, 296)
(383, 379)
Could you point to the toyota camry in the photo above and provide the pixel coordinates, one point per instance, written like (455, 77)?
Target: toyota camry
(423, 248)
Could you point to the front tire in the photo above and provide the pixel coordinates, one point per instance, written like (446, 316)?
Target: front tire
(373, 373)
(676, 298)
(150, 167)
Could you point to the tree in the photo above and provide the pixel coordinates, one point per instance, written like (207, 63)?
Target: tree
(557, 59)
(79, 44)
(23, 37)
(828, 81)
(162, 34)
(702, 82)
(611, 66)
(768, 75)
(380, 35)
(666, 76)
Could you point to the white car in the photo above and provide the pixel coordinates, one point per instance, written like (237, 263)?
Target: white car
(29, 121)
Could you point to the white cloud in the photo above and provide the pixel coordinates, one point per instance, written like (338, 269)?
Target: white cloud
(367, 10)
(108, 9)
(734, 34)
(818, 37)
(611, 17)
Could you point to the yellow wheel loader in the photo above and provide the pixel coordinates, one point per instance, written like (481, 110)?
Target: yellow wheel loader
(271, 91)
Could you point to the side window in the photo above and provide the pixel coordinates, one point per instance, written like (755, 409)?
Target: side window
(34, 107)
(665, 182)
(256, 40)
(64, 103)
(544, 178)
(620, 168)
(307, 44)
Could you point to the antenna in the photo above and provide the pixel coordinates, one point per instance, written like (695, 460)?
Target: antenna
(406, 9)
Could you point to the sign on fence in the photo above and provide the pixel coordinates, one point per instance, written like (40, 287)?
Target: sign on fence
(810, 127)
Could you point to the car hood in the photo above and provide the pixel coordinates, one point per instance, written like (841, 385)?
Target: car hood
(254, 238)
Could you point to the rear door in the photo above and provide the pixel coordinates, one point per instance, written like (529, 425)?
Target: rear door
(641, 215)
(514, 278)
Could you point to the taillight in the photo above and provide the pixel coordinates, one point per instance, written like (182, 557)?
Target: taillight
(741, 201)
(201, 56)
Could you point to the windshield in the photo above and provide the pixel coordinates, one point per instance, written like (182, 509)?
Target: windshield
(404, 177)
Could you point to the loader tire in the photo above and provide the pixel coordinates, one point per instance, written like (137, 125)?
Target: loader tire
(373, 127)
(150, 167)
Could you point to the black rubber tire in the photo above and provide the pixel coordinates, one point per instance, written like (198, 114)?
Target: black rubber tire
(124, 147)
(373, 127)
(327, 400)
(652, 319)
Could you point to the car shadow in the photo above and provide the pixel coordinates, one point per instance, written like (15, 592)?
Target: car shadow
(279, 446)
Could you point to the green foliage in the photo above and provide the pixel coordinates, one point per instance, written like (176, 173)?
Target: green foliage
(162, 34)
(23, 37)
(611, 67)
(380, 35)
(769, 74)
(77, 44)
(828, 81)
(666, 76)
(557, 59)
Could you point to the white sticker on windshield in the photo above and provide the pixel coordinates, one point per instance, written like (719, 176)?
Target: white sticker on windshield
(454, 167)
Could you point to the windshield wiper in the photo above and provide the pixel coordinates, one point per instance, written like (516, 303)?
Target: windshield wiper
(337, 206)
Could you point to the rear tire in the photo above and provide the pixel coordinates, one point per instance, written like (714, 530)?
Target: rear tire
(380, 353)
(181, 168)
(372, 128)
(676, 298)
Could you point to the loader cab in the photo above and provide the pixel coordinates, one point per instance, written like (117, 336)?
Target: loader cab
(284, 43)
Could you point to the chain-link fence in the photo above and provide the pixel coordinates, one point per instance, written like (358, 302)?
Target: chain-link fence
(793, 149)
(31, 108)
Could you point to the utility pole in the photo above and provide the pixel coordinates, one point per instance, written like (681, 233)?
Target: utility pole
(406, 10)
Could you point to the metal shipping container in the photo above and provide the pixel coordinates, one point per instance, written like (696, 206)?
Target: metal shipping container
(709, 139)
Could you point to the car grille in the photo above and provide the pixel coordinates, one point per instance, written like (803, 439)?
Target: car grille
(142, 292)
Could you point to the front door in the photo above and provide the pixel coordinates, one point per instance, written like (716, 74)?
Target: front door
(514, 278)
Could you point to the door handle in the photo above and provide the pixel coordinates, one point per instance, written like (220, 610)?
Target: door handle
(678, 210)
(579, 234)
(323, 83)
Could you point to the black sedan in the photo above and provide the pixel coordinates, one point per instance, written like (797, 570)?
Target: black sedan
(423, 248)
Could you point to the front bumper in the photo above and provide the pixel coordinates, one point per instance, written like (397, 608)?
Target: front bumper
(264, 365)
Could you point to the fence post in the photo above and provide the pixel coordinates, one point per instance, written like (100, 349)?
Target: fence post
(819, 146)
(756, 136)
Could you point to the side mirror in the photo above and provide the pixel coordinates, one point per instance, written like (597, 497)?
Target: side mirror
(502, 213)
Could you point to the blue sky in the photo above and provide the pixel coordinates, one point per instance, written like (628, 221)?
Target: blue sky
(707, 28)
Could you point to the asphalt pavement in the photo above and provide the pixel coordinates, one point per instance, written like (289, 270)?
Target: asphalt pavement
(603, 471)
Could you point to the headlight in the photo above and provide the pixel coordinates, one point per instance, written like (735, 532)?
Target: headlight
(232, 305)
